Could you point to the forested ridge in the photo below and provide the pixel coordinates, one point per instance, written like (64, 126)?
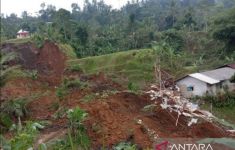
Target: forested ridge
(97, 28)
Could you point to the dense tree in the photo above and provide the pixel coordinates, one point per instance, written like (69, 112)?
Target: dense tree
(98, 29)
(224, 29)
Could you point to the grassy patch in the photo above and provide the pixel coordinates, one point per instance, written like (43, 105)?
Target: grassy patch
(226, 113)
(131, 65)
(68, 51)
(88, 98)
(19, 41)
(136, 66)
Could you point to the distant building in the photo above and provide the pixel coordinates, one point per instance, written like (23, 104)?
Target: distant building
(208, 82)
(22, 34)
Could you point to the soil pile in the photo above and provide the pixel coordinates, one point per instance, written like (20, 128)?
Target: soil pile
(48, 61)
(113, 116)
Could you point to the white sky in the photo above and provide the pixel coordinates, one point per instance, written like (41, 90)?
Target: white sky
(33, 6)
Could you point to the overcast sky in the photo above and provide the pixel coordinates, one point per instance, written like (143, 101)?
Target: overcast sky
(32, 6)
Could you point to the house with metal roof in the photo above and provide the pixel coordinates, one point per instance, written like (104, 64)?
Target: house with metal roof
(208, 82)
(22, 34)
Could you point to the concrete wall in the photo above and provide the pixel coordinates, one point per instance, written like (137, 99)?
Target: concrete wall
(200, 88)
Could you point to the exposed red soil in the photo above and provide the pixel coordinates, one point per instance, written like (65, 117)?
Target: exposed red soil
(49, 61)
(112, 119)
(22, 87)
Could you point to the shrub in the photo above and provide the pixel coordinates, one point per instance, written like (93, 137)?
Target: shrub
(125, 146)
(233, 79)
(33, 74)
(74, 83)
(77, 131)
(75, 67)
(61, 92)
(132, 87)
(222, 100)
(5, 120)
(15, 107)
(24, 139)
(38, 40)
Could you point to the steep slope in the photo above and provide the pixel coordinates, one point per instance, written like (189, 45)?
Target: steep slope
(114, 112)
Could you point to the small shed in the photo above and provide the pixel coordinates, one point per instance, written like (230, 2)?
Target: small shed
(208, 82)
(22, 34)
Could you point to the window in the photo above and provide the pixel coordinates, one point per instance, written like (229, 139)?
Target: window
(190, 88)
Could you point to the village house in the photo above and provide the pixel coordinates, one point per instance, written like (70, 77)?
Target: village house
(208, 82)
(22, 34)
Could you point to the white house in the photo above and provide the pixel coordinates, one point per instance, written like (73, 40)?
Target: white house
(22, 34)
(208, 82)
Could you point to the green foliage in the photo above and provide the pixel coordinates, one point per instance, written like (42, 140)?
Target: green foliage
(5, 120)
(174, 39)
(61, 92)
(33, 74)
(96, 29)
(24, 139)
(68, 50)
(5, 144)
(74, 67)
(8, 57)
(16, 107)
(77, 131)
(68, 84)
(38, 40)
(42, 146)
(132, 87)
(125, 146)
(222, 100)
(74, 83)
(224, 29)
(232, 79)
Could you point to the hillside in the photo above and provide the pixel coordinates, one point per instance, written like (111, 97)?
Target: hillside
(53, 83)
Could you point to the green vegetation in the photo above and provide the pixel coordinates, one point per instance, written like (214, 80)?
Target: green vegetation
(132, 65)
(8, 57)
(18, 41)
(224, 29)
(223, 106)
(97, 29)
(68, 84)
(88, 98)
(179, 36)
(225, 113)
(68, 51)
(233, 79)
(136, 66)
(222, 100)
(125, 146)
(23, 137)
(16, 108)
(77, 132)
(61, 92)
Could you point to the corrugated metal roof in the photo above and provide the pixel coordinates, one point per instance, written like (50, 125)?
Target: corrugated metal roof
(204, 78)
(232, 65)
(220, 74)
(22, 31)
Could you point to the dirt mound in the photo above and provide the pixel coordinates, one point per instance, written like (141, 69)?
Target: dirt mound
(115, 119)
(114, 116)
(49, 61)
(22, 87)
